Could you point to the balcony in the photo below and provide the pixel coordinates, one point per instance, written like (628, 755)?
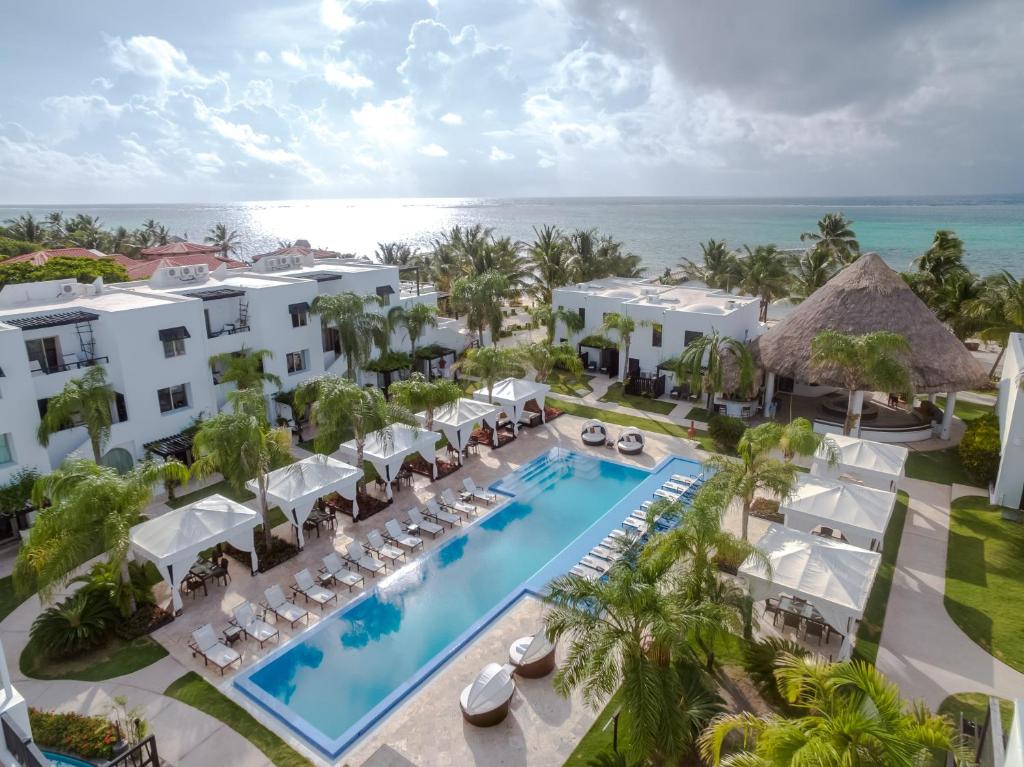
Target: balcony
(229, 329)
(44, 368)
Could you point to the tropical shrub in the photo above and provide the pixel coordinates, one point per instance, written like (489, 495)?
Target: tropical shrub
(90, 737)
(16, 493)
(762, 659)
(280, 550)
(104, 579)
(81, 622)
(726, 431)
(147, 619)
(12, 247)
(389, 362)
(979, 449)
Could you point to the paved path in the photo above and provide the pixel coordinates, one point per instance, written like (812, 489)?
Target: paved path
(922, 649)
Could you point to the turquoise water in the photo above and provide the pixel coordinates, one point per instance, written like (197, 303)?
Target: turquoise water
(58, 760)
(331, 681)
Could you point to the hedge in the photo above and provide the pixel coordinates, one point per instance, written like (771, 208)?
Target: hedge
(979, 449)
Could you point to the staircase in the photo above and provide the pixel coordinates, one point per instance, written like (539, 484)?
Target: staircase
(543, 472)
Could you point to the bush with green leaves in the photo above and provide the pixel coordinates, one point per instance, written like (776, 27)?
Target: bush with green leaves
(81, 622)
(104, 578)
(726, 431)
(90, 737)
(16, 493)
(761, 661)
(979, 449)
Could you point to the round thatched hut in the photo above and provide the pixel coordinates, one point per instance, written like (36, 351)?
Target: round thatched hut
(864, 297)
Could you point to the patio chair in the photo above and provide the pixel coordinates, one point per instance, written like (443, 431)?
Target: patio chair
(585, 572)
(220, 571)
(434, 511)
(483, 495)
(393, 530)
(667, 494)
(335, 568)
(790, 620)
(279, 605)
(253, 628)
(375, 542)
(814, 628)
(358, 557)
(205, 642)
(594, 563)
(532, 656)
(448, 499)
(310, 589)
(416, 518)
(771, 607)
(486, 701)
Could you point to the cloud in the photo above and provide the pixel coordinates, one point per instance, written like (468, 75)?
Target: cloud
(499, 155)
(149, 56)
(433, 150)
(389, 123)
(293, 58)
(343, 75)
(333, 16)
(262, 57)
(450, 118)
(258, 92)
(76, 113)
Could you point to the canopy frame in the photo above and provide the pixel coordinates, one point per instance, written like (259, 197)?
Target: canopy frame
(388, 459)
(456, 422)
(514, 394)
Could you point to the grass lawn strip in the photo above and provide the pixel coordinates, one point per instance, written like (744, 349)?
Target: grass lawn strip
(617, 396)
(974, 706)
(869, 634)
(598, 739)
(195, 691)
(223, 488)
(116, 658)
(941, 466)
(966, 411)
(985, 578)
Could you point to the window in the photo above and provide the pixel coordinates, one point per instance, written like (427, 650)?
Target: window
(331, 340)
(656, 334)
(690, 336)
(300, 314)
(6, 452)
(583, 316)
(44, 354)
(384, 292)
(175, 347)
(173, 398)
(297, 361)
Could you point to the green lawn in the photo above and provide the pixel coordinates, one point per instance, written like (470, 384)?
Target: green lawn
(699, 414)
(8, 599)
(616, 395)
(223, 487)
(985, 578)
(966, 411)
(942, 466)
(598, 739)
(974, 706)
(624, 419)
(195, 691)
(116, 658)
(562, 382)
(870, 631)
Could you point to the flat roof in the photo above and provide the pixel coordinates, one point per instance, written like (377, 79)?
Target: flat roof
(213, 293)
(111, 300)
(640, 292)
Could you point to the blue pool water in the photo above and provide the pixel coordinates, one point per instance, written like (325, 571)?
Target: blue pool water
(350, 668)
(58, 760)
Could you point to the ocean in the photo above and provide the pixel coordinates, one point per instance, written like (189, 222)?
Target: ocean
(660, 230)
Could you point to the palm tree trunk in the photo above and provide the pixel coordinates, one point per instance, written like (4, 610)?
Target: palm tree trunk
(264, 512)
(94, 440)
(848, 424)
(747, 503)
(999, 358)
(126, 579)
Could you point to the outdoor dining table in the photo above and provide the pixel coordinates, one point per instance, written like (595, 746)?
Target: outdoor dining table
(803, 609)
(317, 519)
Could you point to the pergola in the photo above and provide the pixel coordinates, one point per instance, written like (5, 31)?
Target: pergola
(834, 577)
(457, 421)
(297, 487)
(513, 394)
(862, 513)
(174, 540)
(387, 456)
(876, 464)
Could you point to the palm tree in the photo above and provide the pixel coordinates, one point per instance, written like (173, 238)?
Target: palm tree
(244, 368)
(390, 321)
(809, 271)
(26, 227)
(416, 319)
(836, 238)
(544, 358)
(873, 361)
(951, 301)
(416, 393)
(88, 399)
(551, 260)
(240, 445)
(480, 297)
(549, 317)
(624, 326)
(999, 311)
(764, 273)
(55, 226)
(799, 438)
(92, 506)
(594, 256)
(703, 363)
(356, 327)
(850, 714)
(226, 241)
(944, 257)
(720, 268)
(491, 364)
(395, 253)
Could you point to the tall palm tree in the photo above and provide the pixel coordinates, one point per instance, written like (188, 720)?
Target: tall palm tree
(873, 361)
(244, 368)
(623, 326)
(227, 241)
(55, 226)
(849, 714)
(809, 271)
(91, 505)
(944, 257)
(764, 273)
(346, 313)
(999, 311)
(416, 319)
(395, 253)
(798, 437)
(704, 363)
(26, 227)
(390, 321)
(719, 268)
(594, 256)
(89, 399)
(480, 298)
(241, 445)
(549, 317)
(551, 261)
(835, 237)
(416, 393)
(544, 358)
(491, 364)
(951, 301)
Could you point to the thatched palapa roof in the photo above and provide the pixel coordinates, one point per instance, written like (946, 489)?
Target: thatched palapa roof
(865, 297)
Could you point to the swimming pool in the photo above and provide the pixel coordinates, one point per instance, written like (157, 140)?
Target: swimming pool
(61, 760)
(333, 682)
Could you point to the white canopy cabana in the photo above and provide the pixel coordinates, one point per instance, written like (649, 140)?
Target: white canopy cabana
(862, 513)
(173, 541)
(387, 457)
(297, 487)
(456, 423)
(513, 394)
(834, 577)
(875, 464)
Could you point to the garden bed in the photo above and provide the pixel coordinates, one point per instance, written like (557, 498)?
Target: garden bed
(84, 737)
(766, 508)
(418, 465)
(280, 551)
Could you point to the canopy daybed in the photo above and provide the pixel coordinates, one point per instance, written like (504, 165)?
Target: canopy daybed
(630, 441)
(457, 421)
(485, 703)
(861, 513)
(594, 433)
(387, 456)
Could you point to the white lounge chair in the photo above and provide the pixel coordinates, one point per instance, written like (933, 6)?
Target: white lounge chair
(393, 530)
(375, 542)
(483, 495)
(594, 563)
(416, 518)
(677, 487)
(253, 627)
(334, 567)
(310, 589)
(282, 608)
(206, 643)
(683, 479)
(448, 499)
(532, 656)
(634, 525)
(585, 572)
(605, 553)
(358, 557)
(434, 510)
(667, 494)
(485, 702)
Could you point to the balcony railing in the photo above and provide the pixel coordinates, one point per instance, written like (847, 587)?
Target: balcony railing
(63, 367)
(25, 752)
(228, 330)
(142, 754)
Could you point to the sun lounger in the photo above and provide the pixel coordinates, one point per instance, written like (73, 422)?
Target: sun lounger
(253, 627)
(676, 487)
(448, 499)
(394, 532)
(634, 525)
(310, 589)
(585, 572)
(667, 494)
(358, 557)
(532, 656)
(594, 563)
(205, 643)
(282, 608)
(603, 552)
(485, 702)
(375, 542)
(334, 567)
(483, 495)
(682, 479)
(416, 518)
(435, 511)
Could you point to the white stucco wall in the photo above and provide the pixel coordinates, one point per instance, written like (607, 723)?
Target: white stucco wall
(1009, 484)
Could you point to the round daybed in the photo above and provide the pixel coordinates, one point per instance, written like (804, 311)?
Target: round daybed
(594, 433)
(532, 656)
(631, 441)
(485, 703)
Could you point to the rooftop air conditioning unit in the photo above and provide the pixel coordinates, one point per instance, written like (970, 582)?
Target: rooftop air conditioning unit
(296, 260)
(186, 270)
(201, 269)
(172, 272)
(68, 289)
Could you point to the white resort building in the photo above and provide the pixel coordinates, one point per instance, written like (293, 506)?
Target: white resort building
(1009, 487)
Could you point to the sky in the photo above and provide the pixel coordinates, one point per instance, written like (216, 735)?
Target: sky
(115, 102)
